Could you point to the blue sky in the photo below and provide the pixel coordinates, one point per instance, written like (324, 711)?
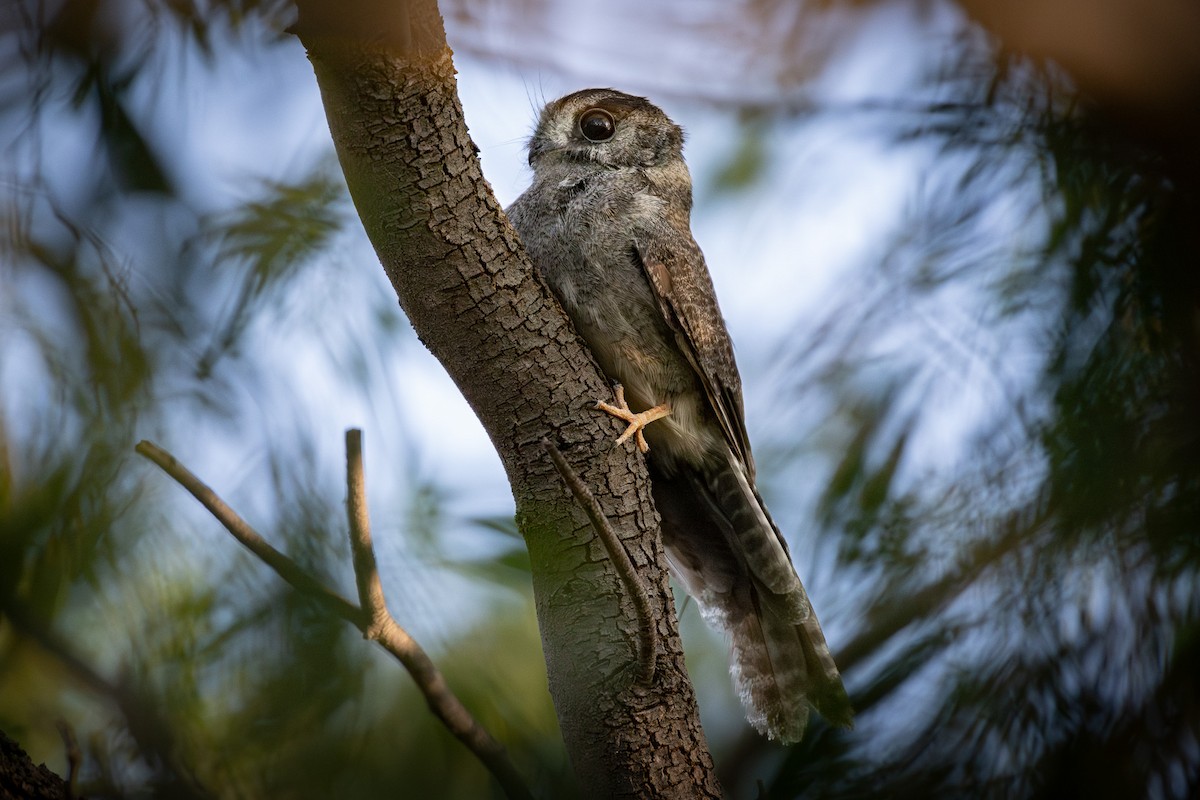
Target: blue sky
(836, 199)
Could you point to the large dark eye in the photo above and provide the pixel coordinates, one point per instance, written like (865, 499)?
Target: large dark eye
(597, 125)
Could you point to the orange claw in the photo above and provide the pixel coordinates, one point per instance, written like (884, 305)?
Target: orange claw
(636, 421)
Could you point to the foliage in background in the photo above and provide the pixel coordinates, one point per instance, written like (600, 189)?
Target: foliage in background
(1023, 593)
(133, 306)
(1034, 625)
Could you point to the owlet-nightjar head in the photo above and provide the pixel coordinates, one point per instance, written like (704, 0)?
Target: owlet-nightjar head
(607, 222)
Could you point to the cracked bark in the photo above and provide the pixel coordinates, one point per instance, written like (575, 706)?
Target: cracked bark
(462, 277)
(21, 779)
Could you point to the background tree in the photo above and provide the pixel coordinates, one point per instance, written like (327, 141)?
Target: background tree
(990, 426)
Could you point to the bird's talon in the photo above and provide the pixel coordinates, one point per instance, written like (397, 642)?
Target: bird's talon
(637, 421)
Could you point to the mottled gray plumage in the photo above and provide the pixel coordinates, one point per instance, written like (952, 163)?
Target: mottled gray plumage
(607, 222)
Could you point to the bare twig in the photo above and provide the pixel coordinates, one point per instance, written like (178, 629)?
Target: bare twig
(366, 573)
(647, 630)
(287, 569)
(384, 629)
(372, 618)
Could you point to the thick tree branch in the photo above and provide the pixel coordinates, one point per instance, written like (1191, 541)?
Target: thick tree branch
(468, 288)
(373, 618)
(21, 778)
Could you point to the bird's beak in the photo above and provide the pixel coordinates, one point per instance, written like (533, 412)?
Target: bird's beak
(537, 146)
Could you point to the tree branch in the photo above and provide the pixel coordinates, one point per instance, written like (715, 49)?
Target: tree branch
(283, 566)
(467, 286)
(383, 628)
(372, 618)
(647, 629)
(20, 777)
(366, 573)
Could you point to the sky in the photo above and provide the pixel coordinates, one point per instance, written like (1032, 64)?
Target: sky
(835, 196)
(856, 255)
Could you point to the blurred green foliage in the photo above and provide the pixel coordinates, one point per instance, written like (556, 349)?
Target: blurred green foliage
(1032, 625)
(1023, 604)
(131, 307)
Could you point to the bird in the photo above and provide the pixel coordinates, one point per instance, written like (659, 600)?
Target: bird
(606, 222)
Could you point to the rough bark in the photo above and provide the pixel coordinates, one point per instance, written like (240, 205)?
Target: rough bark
(463, 279)
(21, 779)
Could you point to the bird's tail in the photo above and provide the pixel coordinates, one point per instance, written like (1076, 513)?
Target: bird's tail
(728, 553)
(781, 664)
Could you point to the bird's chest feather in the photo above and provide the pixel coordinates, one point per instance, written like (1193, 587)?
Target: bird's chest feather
(595, 225)
(603, 287)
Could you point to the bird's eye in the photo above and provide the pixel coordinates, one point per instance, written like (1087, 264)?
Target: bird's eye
(597, 125)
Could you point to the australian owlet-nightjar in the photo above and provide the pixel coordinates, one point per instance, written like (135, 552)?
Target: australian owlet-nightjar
(607, 223)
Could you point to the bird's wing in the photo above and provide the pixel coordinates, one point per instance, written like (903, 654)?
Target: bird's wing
(680, 280)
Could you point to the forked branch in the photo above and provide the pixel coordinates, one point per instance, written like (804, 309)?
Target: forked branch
(372, 618)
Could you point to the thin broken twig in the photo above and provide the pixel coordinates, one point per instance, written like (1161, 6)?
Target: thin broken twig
(647, 630)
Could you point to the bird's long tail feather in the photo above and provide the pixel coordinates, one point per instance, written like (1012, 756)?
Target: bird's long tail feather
(727, 552)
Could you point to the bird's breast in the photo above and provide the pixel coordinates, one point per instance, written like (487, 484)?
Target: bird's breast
(586, 255)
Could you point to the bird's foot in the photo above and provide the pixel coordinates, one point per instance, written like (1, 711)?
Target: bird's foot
(636, 421)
